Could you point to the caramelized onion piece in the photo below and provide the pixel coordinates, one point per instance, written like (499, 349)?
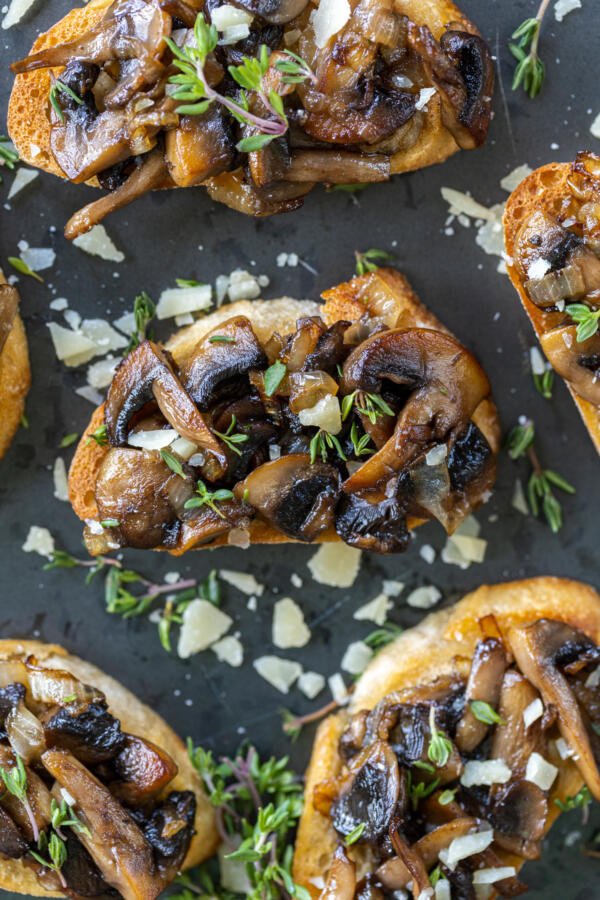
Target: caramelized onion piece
(537, 649)
(145, 375)
(341, 880)
(485, 678)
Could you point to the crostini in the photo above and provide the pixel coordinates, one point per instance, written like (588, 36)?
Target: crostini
(283, 420)
(462, 743)
(99, 796)
(552, 238)
(258, 101)
(15, 377)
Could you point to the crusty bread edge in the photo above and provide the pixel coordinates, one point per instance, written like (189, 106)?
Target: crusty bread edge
(136, 718)
(15, 380)
(536, 191)
(88, 455)
(432, 649)
(29, 126)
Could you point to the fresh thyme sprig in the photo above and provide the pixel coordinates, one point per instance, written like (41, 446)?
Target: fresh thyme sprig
(440, 746)
(257, 806)
(540, 494)
(21, 266)
(196, 94)
(59, 88)
(368, 261)
(588, 320)
(530, 70)
(360, 444)
(371, 405)
(62, 816)
(322, 443)
(208, 498)
(15, 782)
(56, 851)
(580, 800)
(172, 462)
(544, 382)
(381, 637)
(485, 713)
(8, 156)
(99, 436)
(144, 311)
(230, 438)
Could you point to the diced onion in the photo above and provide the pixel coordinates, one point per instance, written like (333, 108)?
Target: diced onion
(48, 686)
(539, 771)
(487, 772)
(25, 733)
(183, 448)
(465, 846)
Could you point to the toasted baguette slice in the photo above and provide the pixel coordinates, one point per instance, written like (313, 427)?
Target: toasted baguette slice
(346, 301)
(441, 645)
(29, 126)
(15, 379)
(136, 718)
(542, 190)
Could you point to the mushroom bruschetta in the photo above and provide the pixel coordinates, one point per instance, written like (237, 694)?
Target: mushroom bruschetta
(15, 376)
(552, 238)
(463, 741)
(283, 420)
(258, 101)
(99, 797)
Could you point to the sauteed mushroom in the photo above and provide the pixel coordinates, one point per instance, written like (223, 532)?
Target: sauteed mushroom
(485, 679)
(277, 12)
(341, 880)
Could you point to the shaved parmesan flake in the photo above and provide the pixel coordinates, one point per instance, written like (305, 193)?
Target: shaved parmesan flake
(59, 474)
(338, 689)
(393, 588)
(514, 178)
(538, 268)
(178, 301)
(100, 374)
(156, 439)
(183, 448)
(436, 455)
(311, 684)
(289, 627)
(96, 242)
(335, 565)
(533, 712)
(234, 34)
(427, 894)
(126, 323)
(21, 180)
(424, 597)
(325, 415)
(493, 874)
(71, 347)
(228, 16)
(39, 540)
(489, 771)
(203, 624)
(563, 7)
(427, 553)
(442, 890)
(536, 361)
(280, 673)
(374, 611)
(243, 581)
(38, 258)
(244, 286)
(425, 95)
(229, 650)
(90, 394)
(472, 549)
(595, 127)
(329, 17)
(463, 203)
(356, 658)
(16, 11)
(60, 304)
(562, 748)
(233, 872)
(469, 527)
(539, 771)
(465, 846)
(239, 537)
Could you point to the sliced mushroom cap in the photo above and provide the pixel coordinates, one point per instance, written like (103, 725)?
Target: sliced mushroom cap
(485, 679)
(374, 521)
(9, 306)
(278, 12)
(514, 741)
(571, 358)
(81, 873)
(446, 385)
(227, 352)
(394, 874)
(87, 730)
(236, 192)
(12, 843)
(519, 816)
(169, 831)
(199, 148)
(341, 878)
(143, 769)
(146, 375)
(540, 649)
(370, 795)
(115, 843)
(472, 58)
(296, 497)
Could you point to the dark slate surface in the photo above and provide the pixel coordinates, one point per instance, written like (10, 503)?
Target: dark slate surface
(161, 237)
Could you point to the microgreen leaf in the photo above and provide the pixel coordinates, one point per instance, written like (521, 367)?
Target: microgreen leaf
(368, 261)
(274, 375)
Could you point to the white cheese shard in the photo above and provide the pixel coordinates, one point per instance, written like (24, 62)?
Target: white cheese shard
(424, 597)
(533, 712)
(563, 7)
(325, 414)
(465, 846)
(90, 394)
(487, 772)
(228, 16)
(181, 300)
(335, 564)
(392, 588)
(71, 346)
(472, 549)
(442, 890)
(22, 178)
(462, 203)
(38, 258)
(357, 657)
(538, 268)
(243, 581)
(427, 553)
(243, 286)
(289, 628)
(39, 540)
(59, 475)
(375, 610)
(156, 439)
(329, 18)
(436, 455)
(229, 650)
(539, 771)
(100, 374)
(492, 874)
(203, 624)
(425, 95)
(96, 242)
(518, 501)
(338, 689)
(536, 361)
(311, 684)
(595, 127)
(183, 448)
(562, 748)
(16, 11)
(280, 673)
(233, 872)
(514, 178)
(593, 679)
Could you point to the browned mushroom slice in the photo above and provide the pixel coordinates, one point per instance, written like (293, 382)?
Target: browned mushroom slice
(232, 189)
(377, 114)
(375, 520)
(206, 525)
(115, 842)
(341, 879)
(485, 679)
(519, 816)
(302, 343)
(394, 874)
(514, 741)
(34, 817)
(446, 385)
(540, 649)
(169, 831)
(277, 12)
(577, 362)
(412, 859)
(227, 352)
(151, 174)
(296, 497)
(337, 167)
(199, 148)
(136, 489)
(12, 843)
(370, 795)
(145, 375)
(87, 730)
(9, 305)
(142, 769)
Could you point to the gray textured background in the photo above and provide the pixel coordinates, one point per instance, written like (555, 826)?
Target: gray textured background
(161, 236)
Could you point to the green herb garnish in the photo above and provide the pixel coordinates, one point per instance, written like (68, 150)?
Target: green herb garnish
(355, 835)
(371, 405)
(172, 462)
(587, 320)
(68, 440)
(100, 436)
(56, 851)
(144, 311)
(447, 796)
(21, 266)
(110, 523)
(580, 800)
(231, 439)
(221, 339)
(544, 383)
(188, 283)
(273, 377)
(440, 746)
(63, 817)
(360, 445)
(530, 70)
(322, 443)
(15, 782)
(59, 88)
(208, 498)
(367, 261)
(485, 713)
(383, 636)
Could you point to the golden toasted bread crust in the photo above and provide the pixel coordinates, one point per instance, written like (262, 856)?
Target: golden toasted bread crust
(268, 317)
(136, 718)
(15, 379)
(442, 644)
(542, 190)
(29, 126)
